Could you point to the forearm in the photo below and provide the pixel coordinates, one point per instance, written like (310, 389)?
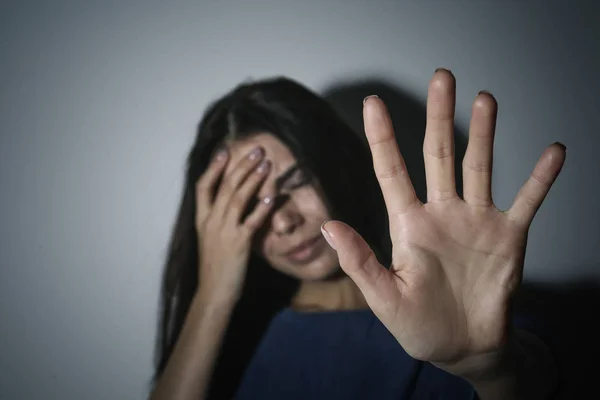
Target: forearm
(526, 371)
(189, 369)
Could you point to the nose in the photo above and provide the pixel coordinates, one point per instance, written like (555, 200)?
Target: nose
(285, 221)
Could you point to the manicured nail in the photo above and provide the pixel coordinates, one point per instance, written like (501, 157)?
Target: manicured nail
(327, 236)
(365, 99)
(263, 166)
(221, 155)
(255, 153)
(561, 145)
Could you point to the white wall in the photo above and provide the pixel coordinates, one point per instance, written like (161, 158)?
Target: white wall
(99, 103)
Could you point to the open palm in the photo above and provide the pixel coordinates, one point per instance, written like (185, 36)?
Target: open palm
(456, 262)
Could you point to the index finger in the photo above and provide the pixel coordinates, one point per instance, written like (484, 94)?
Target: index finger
(390, 168)
(205, 185)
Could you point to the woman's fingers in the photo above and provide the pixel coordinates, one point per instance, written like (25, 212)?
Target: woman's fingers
(477, 164)
(390, 169)
(205, 185)
(233, 180)
(243, 202)
(534, 191)
(438, 147)
(258, 215)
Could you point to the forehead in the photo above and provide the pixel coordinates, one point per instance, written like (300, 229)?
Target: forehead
(275, 151)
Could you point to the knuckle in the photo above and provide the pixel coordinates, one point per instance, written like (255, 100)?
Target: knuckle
(440, 115)
(478, 166)
(237, 202)
(391, 172)
(540, 179)
(440, 150)
(479, 202)
(232, 182)
(530, 201)
(445, 195)
(382, 143)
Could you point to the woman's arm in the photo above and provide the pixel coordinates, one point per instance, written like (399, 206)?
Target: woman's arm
(190, 367)
(225, 246)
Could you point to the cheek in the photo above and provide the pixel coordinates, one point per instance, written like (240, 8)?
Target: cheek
(264, 248)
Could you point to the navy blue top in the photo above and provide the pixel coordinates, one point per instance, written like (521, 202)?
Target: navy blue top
(341, 355)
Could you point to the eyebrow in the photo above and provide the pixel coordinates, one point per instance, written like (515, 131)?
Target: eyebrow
(285, 176)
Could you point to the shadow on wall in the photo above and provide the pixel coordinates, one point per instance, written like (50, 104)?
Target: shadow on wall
(408, 117)
(562, 314)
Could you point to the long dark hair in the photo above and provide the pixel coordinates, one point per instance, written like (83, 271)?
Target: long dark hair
(331, 152)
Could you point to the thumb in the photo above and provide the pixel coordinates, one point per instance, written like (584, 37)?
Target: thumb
(360, 263)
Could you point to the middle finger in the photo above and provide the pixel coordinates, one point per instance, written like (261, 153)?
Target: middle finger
(438, 146)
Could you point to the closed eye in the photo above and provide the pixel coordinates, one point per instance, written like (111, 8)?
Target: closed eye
(294, 178)
(299, 179)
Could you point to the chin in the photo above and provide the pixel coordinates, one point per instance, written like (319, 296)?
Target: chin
(320, 269)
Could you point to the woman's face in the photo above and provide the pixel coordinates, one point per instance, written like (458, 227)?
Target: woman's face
(290, 239)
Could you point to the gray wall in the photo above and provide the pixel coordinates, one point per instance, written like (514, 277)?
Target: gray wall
(99, 103)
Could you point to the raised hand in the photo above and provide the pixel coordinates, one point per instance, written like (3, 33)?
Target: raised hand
(456, 262)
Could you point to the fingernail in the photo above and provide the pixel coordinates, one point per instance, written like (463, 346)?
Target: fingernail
(254, 154)
(263, 166)
(365, 99)
(221, 155)
(484, 91)
(441, 69)
(327, 235)
(561, 145)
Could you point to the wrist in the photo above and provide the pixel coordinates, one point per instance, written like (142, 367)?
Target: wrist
(213, 303)
(487, 366)
(503, 377)
(522, 369)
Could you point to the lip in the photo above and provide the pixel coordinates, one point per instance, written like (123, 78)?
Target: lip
(306, 251)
